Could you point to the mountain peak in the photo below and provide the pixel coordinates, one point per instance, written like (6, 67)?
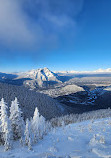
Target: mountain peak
(40, 77)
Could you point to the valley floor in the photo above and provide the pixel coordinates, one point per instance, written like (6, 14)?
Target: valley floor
(88, 139)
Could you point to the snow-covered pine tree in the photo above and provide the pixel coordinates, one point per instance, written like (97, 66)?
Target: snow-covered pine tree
(41, 127)
(35, 125)
(17, 121)
(28, 135)
(6, 131)
(48, 127)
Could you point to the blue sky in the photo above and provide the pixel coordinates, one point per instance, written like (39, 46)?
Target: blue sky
(60, 35)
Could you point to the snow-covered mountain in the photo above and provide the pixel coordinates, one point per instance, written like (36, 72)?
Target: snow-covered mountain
(108, 88)
(108, 70)
(43, 78)
(39, 78)
(103, 70)
(43, 74)
(5, 76)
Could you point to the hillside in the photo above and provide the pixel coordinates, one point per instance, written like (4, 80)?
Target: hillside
(88, 139)
(28, 100)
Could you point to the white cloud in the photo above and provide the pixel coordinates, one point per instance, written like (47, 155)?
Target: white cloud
(52, 17)
(13, 25)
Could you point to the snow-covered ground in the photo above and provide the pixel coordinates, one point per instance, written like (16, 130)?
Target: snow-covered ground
(65, 90)
(107, 88)
(88, 139)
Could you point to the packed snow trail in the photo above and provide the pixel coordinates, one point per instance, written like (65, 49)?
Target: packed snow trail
(88, 139)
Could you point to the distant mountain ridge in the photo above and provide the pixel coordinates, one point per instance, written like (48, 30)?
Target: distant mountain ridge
(43, 78)
(108, 70)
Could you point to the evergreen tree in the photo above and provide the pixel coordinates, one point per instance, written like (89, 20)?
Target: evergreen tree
(48, 127)
(17, 122)
(28, 135)
(35, 125)
(38, 126)
(41, 126)
(6, 131)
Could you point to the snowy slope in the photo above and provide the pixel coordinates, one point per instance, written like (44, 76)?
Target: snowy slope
(65, 90)
(107, 88)
(88, 139)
